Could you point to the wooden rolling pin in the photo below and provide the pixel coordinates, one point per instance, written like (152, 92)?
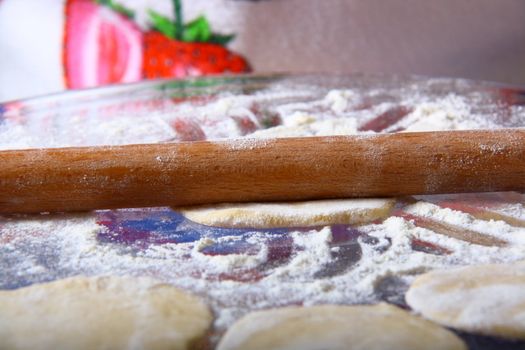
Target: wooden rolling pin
(190, 173)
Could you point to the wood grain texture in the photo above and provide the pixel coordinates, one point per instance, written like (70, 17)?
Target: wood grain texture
(189, 173)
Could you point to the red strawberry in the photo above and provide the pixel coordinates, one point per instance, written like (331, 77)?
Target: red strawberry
(164, 57)
(173, 49)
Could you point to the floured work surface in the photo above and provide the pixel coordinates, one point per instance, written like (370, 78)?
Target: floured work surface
(242, 269)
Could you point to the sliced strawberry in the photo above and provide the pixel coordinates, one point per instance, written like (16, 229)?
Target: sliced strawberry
(101, 46)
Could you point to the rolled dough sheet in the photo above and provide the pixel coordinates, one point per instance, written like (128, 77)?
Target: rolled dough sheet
(485, 299)
(369, 327)
(101, 313)
(290, 214)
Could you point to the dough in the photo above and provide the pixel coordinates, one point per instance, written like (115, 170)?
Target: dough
(290, 214)
(486, 299)
(101, 313)
(368, 327)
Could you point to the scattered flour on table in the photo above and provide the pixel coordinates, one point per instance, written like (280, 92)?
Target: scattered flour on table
(451, 112)
(495, 228)
(516, 210)
(43, 248)
(49, 248)
(314, 112)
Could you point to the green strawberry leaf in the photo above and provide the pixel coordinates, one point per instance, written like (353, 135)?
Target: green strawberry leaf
(179, 23)
(123, 10)
(117, 7)
(162, 24)
(197, 30)
(221, 39)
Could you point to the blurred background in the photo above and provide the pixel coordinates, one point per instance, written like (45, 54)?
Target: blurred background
(52, 45)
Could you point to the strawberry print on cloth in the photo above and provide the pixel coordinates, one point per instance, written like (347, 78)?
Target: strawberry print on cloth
(104, 45)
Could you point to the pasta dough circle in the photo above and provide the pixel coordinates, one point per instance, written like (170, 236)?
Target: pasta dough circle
(290, 214)
(101, 313)
(485, 299)
(369, 327)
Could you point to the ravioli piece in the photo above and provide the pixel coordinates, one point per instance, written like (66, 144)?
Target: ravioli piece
(290, 214)
(366, 327)
(101, 313)
(483, 299)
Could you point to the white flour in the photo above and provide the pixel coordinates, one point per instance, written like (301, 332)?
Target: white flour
(514, 210)
(494, 228)
(385, 250)
(451, 112)
(319, 268)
